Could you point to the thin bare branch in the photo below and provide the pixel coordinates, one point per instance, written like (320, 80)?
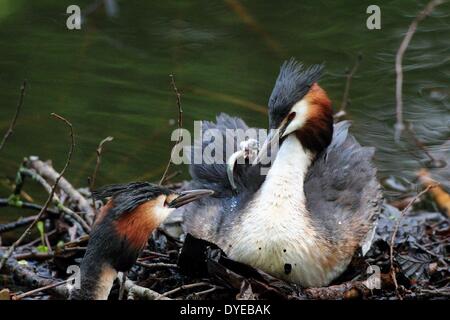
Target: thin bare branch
(433, 161)
(50, 197)
(97, 166)
(16, 115)
(157, 265)
(185, 287)
(32, 292)
(397, 225)
(345, 100)
(180, 125)
(399, 125)
(83, 226)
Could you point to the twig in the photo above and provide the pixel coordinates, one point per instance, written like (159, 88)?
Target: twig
(420, 145)
(36, 241)
(27, 220)
(32, 292)
(399, 125)
(443, 292)
(157, 265)
(348, 82)
(122, 280)
(168, 236)
(28, 277)
(394, 233)
(185, 287)
(16, 224)
(58, 203)
(346, 290)
(141, 292)
(26, 205)
(97, 166)
(38, 256)
(180, 125)
(47, 243)
(50, 174)
(152, 254)
(16, 115)
(431, 253)
(212, 289)
(49, 199)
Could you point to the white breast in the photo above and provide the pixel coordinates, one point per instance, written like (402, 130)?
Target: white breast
(275, 233)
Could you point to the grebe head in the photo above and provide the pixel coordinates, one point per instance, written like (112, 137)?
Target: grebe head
(298, 105)
(122, 229)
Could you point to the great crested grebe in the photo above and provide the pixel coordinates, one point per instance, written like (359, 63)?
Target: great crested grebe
(121, 231)
(317, 205)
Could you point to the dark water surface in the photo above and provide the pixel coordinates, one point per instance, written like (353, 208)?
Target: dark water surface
(112, 77)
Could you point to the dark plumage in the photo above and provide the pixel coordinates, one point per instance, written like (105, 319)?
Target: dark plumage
(214, 175)
(292, 84)
(121, 230)
(128, 196)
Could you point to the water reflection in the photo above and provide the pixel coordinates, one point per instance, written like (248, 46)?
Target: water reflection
(111, 77)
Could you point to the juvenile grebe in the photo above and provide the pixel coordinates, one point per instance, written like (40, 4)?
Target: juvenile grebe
(121, 231)
(318, 203)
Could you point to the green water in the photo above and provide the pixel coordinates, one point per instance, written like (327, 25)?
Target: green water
(111, 78)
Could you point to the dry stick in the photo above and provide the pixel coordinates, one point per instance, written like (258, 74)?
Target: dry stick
(420, 145)
(180, 125)
(28, 277)
(123, 279)
(141, 292)
(394, 233)
(399, 126)
(49, 173)
(58, 203)
(32, 292)
(36, 241)
(97, 166)
(212, 289)
(186, 286)
(350, 75)
(38, 256)
(152, 254)
(16, 224)
(50, 197)
(157, 265)
(16, 115)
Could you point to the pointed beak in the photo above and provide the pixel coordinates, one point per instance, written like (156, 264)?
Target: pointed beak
(188, 196)
(272, 140)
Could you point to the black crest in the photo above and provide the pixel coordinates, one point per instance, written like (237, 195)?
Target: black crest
(127, 197)
(292, 84)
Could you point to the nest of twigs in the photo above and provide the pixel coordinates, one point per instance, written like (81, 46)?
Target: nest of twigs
(408, 259)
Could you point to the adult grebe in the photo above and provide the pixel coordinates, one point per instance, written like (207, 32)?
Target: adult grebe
(318, 203)
(121, 231)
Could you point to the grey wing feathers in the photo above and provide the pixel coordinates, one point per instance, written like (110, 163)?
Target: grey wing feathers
(204, 218)
(212, 174)
(341, 187)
